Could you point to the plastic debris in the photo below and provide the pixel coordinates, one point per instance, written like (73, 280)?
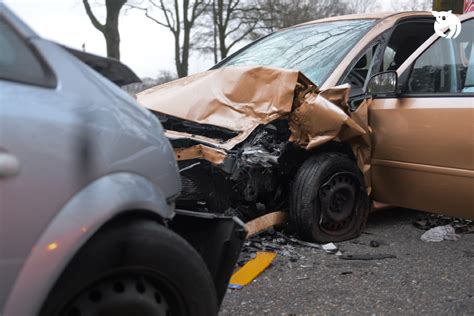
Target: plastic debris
(330, 248)
(368, 257)
(460, 225)
(251, 270)
(440, 233)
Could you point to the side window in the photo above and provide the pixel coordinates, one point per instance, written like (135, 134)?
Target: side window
(447, 66)
(362, 70)
(17, 61)
(405, 39)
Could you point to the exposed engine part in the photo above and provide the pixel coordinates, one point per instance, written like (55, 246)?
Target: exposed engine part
(253, 180)
(258, 155)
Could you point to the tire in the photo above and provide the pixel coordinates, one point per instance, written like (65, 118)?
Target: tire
(134, 268)
(328, 200)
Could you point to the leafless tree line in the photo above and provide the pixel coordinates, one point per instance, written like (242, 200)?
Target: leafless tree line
(217, 27)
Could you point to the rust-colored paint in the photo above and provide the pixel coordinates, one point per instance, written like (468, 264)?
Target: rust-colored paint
(423, 149)
(414, 152)
(242, 98)
(213, 155)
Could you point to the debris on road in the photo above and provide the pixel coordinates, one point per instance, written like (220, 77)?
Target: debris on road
(330, 248)
(265, 222)
(282, 244)
(461, 226)
(368, 257)
(440, 233)
(251, 270)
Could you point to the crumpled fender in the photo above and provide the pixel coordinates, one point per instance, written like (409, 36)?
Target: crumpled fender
(323, 116)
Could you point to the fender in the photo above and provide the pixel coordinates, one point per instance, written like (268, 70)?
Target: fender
(83, 215)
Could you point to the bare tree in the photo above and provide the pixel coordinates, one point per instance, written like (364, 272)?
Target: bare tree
(110, 28)
(234, 20)
(230, 22)
(279, 14)
(179, 17)
(457, 6)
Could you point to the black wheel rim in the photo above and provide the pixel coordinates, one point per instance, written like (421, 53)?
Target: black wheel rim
(130, 293)
(339, 198)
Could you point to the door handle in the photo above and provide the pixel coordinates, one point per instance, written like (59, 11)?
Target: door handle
(9, 165)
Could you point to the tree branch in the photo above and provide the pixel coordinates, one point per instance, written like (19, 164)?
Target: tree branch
(92, 17)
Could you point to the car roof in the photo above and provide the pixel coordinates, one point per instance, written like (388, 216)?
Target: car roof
(371, 16)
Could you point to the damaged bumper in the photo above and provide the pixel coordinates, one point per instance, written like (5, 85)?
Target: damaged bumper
(217, 238)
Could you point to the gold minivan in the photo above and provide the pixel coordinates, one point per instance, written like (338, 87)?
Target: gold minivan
(323, 117)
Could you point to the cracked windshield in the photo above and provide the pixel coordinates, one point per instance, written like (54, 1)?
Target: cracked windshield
(314, 49)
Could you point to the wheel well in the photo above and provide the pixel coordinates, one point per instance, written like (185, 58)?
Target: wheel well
(333, 146)
(297, 156)
(126, 216)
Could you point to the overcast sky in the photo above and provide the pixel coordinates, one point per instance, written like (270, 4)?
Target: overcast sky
(145, 47)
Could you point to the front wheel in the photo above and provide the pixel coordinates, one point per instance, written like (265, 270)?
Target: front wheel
(329, 201)
(134, 268)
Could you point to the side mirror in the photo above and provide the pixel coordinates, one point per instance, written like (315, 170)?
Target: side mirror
(383, 83)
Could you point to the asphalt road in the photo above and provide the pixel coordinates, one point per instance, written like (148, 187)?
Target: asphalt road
(423, 279)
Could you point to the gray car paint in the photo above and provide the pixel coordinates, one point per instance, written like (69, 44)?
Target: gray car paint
(48, 131)
(83, 215)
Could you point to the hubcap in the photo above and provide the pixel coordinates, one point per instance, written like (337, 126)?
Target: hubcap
(125, 295)
(338, 199)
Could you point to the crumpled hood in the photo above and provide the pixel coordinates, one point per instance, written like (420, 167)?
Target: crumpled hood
(236, 98)
(242, 98)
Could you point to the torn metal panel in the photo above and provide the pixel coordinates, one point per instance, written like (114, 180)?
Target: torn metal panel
(264, 222)
(318, 120)
(213, 155)
(325, 116)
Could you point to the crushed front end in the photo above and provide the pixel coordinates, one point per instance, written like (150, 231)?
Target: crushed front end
(241, 133)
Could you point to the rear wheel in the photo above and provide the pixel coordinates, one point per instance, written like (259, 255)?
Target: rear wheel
(329, 202)
(141, 268)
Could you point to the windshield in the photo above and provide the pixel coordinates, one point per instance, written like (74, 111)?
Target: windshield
(314, 49)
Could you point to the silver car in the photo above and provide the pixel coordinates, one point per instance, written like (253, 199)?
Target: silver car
(87, 189)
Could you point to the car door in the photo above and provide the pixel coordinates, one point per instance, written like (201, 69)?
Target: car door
(423, 138)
